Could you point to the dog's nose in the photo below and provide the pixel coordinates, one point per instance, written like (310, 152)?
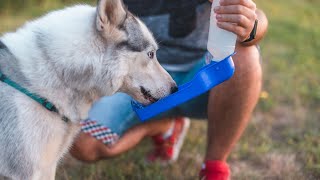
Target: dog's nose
(174, 89)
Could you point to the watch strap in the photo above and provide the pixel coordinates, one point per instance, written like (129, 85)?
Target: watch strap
(253, 32)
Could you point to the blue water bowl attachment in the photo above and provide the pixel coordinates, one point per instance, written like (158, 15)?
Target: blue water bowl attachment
(206, 78)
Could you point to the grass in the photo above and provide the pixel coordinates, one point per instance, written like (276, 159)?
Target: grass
(282, 140)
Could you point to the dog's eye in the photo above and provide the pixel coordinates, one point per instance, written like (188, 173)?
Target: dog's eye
(151, 54)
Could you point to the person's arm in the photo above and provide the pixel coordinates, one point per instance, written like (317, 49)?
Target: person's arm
(88, 149)
(261, 29)
(238, 16)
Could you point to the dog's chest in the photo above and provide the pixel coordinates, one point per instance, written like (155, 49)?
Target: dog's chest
(59, 144)
(46, 136)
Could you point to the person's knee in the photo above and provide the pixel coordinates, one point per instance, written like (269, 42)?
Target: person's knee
(247, 62)
(248, 73)
(245, 84)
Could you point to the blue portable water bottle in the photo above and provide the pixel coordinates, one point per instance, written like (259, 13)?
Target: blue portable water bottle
(219, 68)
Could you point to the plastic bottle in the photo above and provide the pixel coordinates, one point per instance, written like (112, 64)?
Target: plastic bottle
(221, 43)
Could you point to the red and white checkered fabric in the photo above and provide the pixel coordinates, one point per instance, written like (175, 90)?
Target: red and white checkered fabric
(99, 131)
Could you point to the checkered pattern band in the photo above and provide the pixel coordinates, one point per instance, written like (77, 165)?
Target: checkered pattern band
(99, 131)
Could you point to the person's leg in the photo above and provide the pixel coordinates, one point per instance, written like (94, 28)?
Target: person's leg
(229, 109)
(89, 149)
(113, 128)
(108, 119)
(231, 104)
(124, 129)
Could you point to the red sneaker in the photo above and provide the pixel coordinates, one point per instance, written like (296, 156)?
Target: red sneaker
(167, 149)
(215, 170)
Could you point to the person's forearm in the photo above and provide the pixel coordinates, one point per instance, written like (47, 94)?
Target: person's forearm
(261, 29)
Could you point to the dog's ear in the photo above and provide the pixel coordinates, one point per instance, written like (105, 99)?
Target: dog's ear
(110, 12)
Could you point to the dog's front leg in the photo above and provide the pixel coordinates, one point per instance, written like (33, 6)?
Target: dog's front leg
(49, 174)
(52, 173)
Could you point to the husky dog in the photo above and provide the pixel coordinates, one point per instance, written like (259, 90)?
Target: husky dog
(70, 57)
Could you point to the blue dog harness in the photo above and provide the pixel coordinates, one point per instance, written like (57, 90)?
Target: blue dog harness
(43, 101)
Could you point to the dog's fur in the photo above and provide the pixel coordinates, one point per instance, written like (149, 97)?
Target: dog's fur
(72, 57)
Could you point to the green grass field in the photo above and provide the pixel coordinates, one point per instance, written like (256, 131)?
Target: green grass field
(283, 138)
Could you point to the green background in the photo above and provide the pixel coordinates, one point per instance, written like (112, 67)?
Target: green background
(282, 140)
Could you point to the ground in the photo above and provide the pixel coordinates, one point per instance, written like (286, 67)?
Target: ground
(282, 140)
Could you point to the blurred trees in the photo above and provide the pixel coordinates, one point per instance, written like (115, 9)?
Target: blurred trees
(16, 5)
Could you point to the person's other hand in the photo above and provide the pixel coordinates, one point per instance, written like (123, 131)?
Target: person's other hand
(237, 16)
(88, 149)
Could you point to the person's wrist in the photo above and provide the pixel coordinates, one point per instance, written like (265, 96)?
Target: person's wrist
(253, 33)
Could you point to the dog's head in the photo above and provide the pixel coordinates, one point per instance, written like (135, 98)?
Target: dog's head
(131, 54)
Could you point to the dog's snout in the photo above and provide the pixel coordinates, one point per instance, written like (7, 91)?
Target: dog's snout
(174, 89)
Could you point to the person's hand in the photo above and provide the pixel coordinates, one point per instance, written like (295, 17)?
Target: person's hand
(88, 149)
(237, 16)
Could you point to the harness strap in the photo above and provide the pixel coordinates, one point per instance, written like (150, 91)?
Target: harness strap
(44, 102)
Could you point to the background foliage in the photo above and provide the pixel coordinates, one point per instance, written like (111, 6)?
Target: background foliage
(283, 138)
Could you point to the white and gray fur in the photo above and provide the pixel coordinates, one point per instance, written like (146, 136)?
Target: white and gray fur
(72, 57)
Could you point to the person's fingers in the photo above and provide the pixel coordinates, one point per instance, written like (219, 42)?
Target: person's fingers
(235, 9)
(247, 3)
(241, 32)
(237, 16)
(237, 19)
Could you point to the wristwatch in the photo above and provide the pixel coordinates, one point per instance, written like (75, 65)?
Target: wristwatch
(253, 32)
